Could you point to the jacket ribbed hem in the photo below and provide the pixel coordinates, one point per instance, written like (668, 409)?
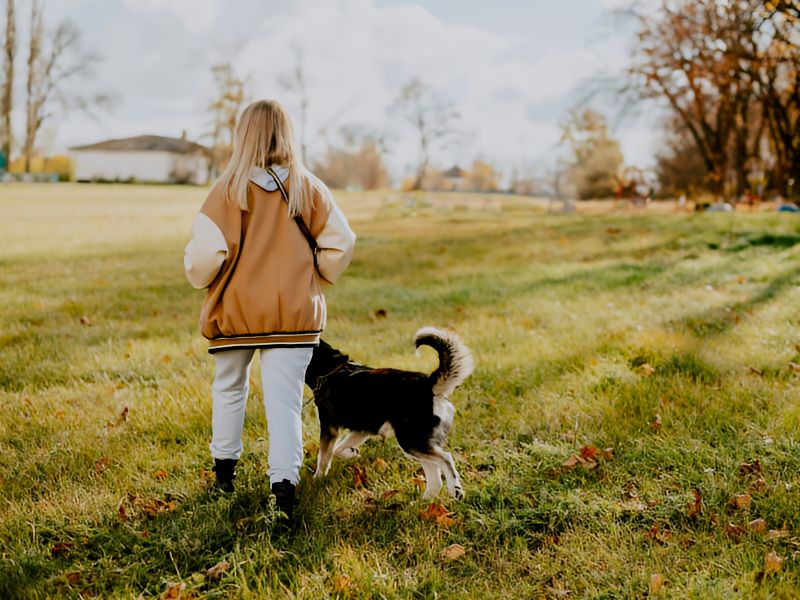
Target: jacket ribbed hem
(304, 339)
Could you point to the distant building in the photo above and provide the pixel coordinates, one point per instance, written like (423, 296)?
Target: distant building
(150, 158)
(453, 179)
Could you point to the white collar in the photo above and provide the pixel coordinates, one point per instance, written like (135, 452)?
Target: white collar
(264, 180)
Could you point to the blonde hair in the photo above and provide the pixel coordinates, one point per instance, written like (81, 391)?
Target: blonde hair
(264, 137)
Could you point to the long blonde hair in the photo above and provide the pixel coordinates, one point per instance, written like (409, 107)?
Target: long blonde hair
(264, 137)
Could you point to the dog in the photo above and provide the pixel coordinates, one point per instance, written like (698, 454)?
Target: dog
(369, 401)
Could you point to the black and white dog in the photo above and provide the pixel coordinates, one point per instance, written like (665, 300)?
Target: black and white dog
(369, 401)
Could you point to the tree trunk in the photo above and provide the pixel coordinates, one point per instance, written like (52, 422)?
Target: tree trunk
(8, 85)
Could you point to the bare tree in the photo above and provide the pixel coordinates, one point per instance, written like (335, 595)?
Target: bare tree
(433, 118)
(295, 82)
(7, 94)
(54, 59)
(228, 101)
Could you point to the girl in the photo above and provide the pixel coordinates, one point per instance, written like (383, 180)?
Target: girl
(267, 238)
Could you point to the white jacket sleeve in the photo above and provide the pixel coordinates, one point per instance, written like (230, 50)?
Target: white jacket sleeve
(335, 243)
(205, 252)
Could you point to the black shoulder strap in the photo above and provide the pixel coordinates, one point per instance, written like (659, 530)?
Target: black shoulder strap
(312, 243)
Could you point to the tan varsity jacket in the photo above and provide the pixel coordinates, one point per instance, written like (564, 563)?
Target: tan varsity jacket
(263, 289)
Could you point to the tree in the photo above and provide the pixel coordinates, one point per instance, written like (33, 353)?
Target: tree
(358, 162)
(228, 100)
(54, 59)
(680, 167)
(7, 90)
(596, 157)
(433, 118)
(483, 177)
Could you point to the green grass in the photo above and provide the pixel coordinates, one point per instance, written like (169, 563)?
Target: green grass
(563, 314)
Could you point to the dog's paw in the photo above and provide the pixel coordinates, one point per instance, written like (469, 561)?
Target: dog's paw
(458, 493)
(348, 453)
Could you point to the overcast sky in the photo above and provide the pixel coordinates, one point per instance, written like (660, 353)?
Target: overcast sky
(513, 68)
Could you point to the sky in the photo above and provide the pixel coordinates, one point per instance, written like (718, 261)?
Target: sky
(512, 68)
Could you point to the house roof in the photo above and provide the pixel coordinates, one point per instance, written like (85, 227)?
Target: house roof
(454, 172)
(147, 143)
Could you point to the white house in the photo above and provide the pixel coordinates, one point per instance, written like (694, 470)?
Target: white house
(151, 158)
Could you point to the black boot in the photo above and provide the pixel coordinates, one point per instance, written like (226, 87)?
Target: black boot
(284, 497)
(225, 468)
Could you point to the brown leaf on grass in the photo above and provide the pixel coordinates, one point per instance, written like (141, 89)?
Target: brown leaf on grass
(375, 315)
(656, 424)
(740, 279)
(630, 493)
(73, 577)
(795, 367)
(758, 526)
(100, 465)
(772, 563)
(161, 474)
(756, 371)
(758, 486)
(452, 552)
(156, 506)
(438, 514)
(60, 548)
(122, 417)
(389, 494)
(60, 415)
(742, 501)
(84, 320)
(734, 530)
(174, 591)
(589, 452)
(613, 230)
(311, 449)
(341, 584)
(418, 482)
(658, 534)
(577, 460)
(656, 583)
(696, 504)
(166, 359)
(207, 475)
(647, 369)
(122, 512)
(608, 453)
(380, 464)
(360, 476)
(750, 468)
(216, 572)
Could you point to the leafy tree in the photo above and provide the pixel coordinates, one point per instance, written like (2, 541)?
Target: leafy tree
(596, 157)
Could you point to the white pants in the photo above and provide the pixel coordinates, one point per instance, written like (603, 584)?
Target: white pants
(282, 376)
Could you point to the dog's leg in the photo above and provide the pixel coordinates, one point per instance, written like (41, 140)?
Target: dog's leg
(326, 439)
(347, 447)
(433, 474)
(448, 465)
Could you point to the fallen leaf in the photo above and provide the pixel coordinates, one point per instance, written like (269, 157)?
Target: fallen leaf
(173, 591)
(418, 482)
(578, 461)
(750, 468)
(62, 548)
(453, 552)
(438, 513)
(655, 424)
(360, 476)
(100, 465)
(795, 367)
(740, 279)
(166, 359)
(365, 493)
(161, 474)
(378, 314)
(742, 501)
(341, 584)
(156, 506)
(647, 369)
(758, 486)
(60, 415)
(207, 475)
(380, 464)
(84, 320)
(656, 583)
(772, 563)
(589, 452)
(758, 526)
(696, 505)
(613, 230)
(658, 534)
(734, 530)
(73, 577)
(215, 573)
(608, 453)
(122, 512)
(389, 494)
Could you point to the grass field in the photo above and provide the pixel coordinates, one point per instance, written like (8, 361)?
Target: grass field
(634, 411)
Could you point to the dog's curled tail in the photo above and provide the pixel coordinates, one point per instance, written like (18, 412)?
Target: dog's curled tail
(455, 359)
